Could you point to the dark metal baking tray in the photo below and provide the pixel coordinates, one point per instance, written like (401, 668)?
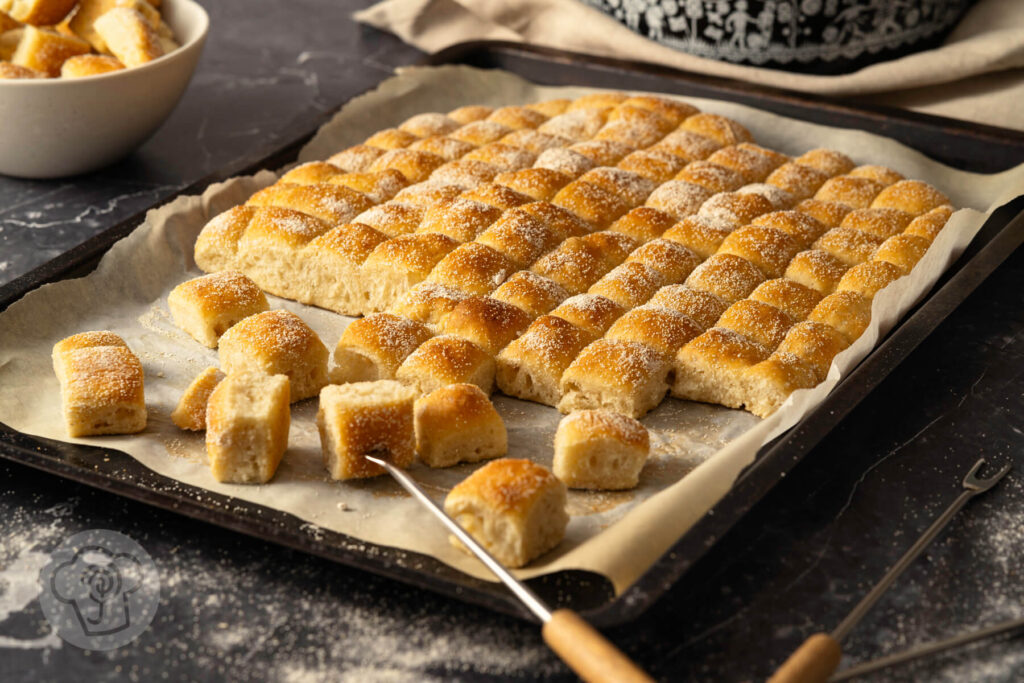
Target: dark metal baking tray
(967, 146)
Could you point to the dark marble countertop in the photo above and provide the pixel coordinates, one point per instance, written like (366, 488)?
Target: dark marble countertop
(237, 608)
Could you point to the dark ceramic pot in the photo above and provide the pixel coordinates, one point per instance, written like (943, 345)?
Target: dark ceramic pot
(814, 36)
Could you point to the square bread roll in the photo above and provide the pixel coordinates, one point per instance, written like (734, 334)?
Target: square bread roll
(373, 347)
(514, 508)
(190, 413)
(768, 384)
(623, 376)
(277, 343)
(458, 423)
(365, 418)
(709, 368)
(531, 367)
(444, 360)
(600, 449)
(206, 307)
(101, 385)
(247, 422)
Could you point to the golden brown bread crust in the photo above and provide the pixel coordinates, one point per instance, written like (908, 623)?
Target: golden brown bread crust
(720, 198)
(679, 198)
(520, 236)
(473, 268)
(674, 261)
(657, 165)
(913, 196)
(497, 195)
(629, 284)
(757, 321)
(533, 293)
(428, 303)
(662, 329)
(531, 366)
(768, 248)
(802, 227)
(829, 162)
(702, 307)
(489, 323)
(727, 276)
(541, 184)
(591, 313)
(788, 296)
(444, 360)
(718, 128)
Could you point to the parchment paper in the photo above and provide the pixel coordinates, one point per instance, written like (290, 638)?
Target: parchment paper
(697, 450)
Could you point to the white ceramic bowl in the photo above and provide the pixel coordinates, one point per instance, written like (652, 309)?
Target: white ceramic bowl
(59, 127)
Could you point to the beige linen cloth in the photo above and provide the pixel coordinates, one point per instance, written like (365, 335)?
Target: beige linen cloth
(977, 75)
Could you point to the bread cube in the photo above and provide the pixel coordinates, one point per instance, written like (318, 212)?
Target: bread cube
(514, 508)
(190, 413)
(129, 37)
(101, 385)
(247, 422)
(365, 418)
(277, 343)
(206, 307)
(44, 50)
(458, 423)
(600, 449)
(38, 12)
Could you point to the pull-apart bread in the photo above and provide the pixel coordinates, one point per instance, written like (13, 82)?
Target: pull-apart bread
(101, 385)
(600, 253)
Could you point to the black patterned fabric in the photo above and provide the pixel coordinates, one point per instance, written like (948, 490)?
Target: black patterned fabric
(815, 36)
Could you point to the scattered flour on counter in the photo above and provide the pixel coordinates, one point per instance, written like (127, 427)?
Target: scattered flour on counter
(23, 553)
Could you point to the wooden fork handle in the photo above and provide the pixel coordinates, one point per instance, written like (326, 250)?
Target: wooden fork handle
(587, 652)
(813, 662)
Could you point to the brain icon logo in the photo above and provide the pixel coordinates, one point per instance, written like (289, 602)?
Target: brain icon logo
(100, 590)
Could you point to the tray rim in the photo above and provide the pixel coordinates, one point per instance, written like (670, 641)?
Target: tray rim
(620, 609)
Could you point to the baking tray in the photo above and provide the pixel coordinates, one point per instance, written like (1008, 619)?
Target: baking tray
(966, 146)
